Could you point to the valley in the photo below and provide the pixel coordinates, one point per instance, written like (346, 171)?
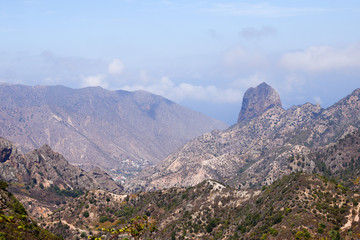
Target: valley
(275, 174)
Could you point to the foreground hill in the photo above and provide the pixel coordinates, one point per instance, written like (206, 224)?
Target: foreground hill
(96, 127)
(260, 148)
(298, 206)
(15, 222)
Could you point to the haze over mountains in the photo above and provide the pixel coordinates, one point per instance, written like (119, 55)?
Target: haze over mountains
(256, 150)
(96, 127)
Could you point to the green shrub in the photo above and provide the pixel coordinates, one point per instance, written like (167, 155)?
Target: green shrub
(103, 219)
(19, 208)
(3, 184)
(86, 214)
(210, 226)
(273, 232)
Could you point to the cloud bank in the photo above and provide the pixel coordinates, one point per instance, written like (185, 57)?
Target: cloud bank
(186, 91)
(322, 58)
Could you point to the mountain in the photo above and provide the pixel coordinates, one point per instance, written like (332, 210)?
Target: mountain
(260, 148)
(45, 169)
(118, 130)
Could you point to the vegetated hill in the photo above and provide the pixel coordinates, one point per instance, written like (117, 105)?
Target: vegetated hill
(255, 151)
(14, 220)
(45, 169)
(297, 206)
(95, 127)
(340, 161)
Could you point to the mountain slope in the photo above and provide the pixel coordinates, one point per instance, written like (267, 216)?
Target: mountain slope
(297, 206)
(255, 151)
(14, 220)
(95, 127)
(44, 169)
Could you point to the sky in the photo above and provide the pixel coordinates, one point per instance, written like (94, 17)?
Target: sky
(201, 54)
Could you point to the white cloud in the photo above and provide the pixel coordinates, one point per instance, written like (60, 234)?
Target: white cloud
(116, 67)
(186, 91)
(322, 58)
(96, 80)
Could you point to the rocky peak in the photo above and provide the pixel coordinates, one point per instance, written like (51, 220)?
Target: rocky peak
(48, 168)
(257, 100)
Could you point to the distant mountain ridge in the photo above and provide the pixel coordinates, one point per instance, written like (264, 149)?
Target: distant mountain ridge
(255, 151)
(92, 126)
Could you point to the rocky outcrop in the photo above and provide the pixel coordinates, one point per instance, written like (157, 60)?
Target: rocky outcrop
(257, 151)
(105, 180)
(44, 168)
(257, 100)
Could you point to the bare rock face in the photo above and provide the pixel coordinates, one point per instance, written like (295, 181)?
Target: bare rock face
(44, 168)
(257, 100)
(104, 179)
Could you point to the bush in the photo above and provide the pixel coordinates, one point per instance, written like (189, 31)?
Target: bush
(19, 208)
(103, 219)
(3, 184)
(304, 234)
(86, 214)
(273, 232)
(210, 226)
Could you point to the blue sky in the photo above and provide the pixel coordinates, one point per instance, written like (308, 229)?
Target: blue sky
(201, 54)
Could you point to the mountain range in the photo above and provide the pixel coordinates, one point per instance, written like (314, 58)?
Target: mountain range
(266, 143)
(118, 130)
(295, 206)
(275, 174)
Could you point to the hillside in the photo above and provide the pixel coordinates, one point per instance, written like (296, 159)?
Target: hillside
(15, 222)
(44, 168)
(256, 150)
(298, 206)
(118, 130)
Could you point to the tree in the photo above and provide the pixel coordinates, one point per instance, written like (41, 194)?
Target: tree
(136, 228)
